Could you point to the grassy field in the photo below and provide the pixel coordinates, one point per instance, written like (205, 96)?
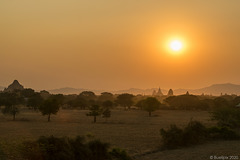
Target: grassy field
(133, 131)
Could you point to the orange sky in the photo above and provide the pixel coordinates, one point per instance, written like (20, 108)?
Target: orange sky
(113, 44)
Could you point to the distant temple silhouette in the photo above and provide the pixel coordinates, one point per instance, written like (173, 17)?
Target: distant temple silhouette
(14, 86)
(159, 93)
(170, 92)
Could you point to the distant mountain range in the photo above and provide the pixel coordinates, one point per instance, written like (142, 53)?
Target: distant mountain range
(69, 90)
(215, 89)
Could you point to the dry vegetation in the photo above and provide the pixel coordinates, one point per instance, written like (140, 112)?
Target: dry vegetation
(131, 130)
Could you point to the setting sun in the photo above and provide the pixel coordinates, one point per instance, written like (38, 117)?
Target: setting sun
(176, 45)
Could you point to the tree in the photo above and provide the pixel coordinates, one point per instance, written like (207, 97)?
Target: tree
(107, 104)
(105, 96)
(221, 102)
(227, 116)
(49, 106)
(11, 101)
(58, 97)
(89, 97)
(106, 113)
(27, 92)
(35, 101)
(106, 109)
(139, 104)
(184, 102)
(151, 104)
(236, 100)
(78, 102)
(11, 110)
(94, 111)
(125, 100)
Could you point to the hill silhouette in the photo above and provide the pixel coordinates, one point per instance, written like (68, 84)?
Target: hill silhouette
(215, 89)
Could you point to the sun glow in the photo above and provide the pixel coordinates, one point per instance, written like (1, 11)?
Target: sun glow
(176, 45)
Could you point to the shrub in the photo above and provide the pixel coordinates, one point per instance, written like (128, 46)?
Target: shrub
(52, 148)
(78, 148)
(194, 133)
(227, 116)
(31, 151)
(172, 138)
(222, 133)
(55, 148)
(99, 150)
(119, 154)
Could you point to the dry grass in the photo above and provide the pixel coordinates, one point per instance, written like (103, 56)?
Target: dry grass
(131, 130)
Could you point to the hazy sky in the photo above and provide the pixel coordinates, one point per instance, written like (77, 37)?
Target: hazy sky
(119, 44)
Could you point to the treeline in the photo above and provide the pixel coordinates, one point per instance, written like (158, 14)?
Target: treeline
(102, 104)
(192, 102)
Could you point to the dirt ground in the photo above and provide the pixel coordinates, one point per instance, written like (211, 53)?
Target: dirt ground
(132, 130)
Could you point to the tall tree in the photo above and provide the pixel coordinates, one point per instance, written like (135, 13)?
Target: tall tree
(89, 97)
(106, 113)
(35, 101)
(95, 111)
(125, 100)
(49, 106)
(78, 102)
(150, 105)
(106, 96)
(11, 101)
(107, 105)
(28, 92)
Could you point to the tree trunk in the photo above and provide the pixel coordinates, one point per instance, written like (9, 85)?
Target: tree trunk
(150, 114)
(95, 119)
(49, 117)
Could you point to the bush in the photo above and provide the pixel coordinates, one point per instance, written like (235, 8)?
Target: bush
(194, 133)
(31, 151)
(52, 148)
(227, 117)
(99, 150)
(119, 154)
(55, 148)
(78, 148)
(222, 133)
(172, 138)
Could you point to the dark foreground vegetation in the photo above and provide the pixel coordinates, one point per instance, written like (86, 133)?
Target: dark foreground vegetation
(194, 133)
(228, 124)
(52, 148)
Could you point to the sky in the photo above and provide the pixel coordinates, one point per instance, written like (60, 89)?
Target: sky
(112, 44)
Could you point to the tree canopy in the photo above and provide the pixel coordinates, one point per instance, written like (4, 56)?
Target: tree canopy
(49, 106)
(150, 105)
(125, 100)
